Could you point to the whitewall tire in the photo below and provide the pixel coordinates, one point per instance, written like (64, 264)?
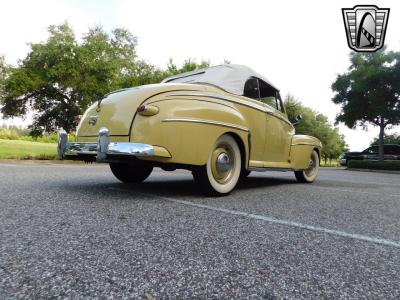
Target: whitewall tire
(222, 171)
(308, 175)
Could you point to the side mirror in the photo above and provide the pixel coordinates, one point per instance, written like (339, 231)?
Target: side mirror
(298, 120)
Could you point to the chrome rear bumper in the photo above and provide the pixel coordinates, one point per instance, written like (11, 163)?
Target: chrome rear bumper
(100, 151)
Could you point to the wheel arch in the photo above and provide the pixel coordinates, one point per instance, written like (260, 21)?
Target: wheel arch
(301, 148)
(244, 153)
(188, 128)
(318, 152)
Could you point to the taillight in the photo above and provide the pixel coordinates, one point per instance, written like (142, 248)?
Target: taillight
(147, 110)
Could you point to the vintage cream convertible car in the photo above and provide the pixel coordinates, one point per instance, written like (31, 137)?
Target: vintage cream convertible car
(221, 123)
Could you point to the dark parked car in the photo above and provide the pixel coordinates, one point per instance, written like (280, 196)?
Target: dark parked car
(392, 152)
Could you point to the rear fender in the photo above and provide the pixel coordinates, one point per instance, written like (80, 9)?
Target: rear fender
(189, 128)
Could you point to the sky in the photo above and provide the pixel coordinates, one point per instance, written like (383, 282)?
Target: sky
(300, 46)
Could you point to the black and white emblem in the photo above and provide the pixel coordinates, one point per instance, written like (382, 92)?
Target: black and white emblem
(365, 27)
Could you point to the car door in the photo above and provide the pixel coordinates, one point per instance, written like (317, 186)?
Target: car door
(278, 129)
(256, 119)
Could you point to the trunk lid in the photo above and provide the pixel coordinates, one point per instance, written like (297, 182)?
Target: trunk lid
(117, 109)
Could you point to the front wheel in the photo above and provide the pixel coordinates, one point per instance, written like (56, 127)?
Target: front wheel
(308, 175)
(221, 173)
(131, 173)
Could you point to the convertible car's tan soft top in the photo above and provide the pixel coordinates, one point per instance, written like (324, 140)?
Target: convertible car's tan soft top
(228, 77)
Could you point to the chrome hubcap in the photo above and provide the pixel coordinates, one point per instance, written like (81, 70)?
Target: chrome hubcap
(223, 163)
(312, 167)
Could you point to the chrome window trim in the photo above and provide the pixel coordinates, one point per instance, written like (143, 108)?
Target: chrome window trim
(206, 122)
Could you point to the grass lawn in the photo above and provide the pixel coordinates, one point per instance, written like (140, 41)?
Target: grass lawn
(16, 149)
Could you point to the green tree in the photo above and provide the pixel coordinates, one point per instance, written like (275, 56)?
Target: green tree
(61, 77)
(187, 66)
(388, 139)
(3, 75)
(369, 93)
(317, 125)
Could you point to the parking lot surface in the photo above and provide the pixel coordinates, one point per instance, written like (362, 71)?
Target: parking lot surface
(73, 231)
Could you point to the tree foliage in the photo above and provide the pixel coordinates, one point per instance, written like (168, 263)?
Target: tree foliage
(369, 93)
(388, 139)
(317, 125)
(61, 77)
(3, 75)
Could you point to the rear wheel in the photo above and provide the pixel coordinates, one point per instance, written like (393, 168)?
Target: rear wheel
(221, 173)
(308, 175)
(131, 173)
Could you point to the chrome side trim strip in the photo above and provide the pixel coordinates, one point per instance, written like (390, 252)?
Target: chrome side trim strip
(302, 144)
(280, 118)
(206, 122)
(251, 105)
(266, 169)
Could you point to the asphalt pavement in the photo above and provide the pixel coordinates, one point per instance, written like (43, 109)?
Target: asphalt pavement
(73, 231)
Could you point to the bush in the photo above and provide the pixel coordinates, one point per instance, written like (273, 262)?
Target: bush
(330, 163)
(9, 134)
(375, 164)
(14, 134)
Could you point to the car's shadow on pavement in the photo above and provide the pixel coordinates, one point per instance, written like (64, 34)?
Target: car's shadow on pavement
(187, 187)
(175, 186)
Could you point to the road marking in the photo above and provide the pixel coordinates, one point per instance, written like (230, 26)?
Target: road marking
(359, 237)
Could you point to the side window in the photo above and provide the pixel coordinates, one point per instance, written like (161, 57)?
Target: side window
(268, 95)
(251, 89)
